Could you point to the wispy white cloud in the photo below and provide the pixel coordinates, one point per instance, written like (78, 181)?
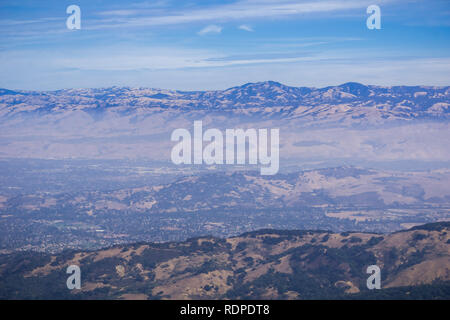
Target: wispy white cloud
(211, 29)
(124, 12)
(196, 70)
(136, 59)
(11, 22)
(238, 10)
(137, 8)
(149, 14)
(246, 27)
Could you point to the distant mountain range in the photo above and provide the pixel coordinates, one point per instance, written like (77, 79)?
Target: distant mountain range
(269, 99)
(265, 264)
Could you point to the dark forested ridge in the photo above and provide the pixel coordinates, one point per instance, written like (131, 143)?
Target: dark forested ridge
(265, 264)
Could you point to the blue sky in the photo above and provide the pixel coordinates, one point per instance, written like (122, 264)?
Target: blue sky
(215, 44)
